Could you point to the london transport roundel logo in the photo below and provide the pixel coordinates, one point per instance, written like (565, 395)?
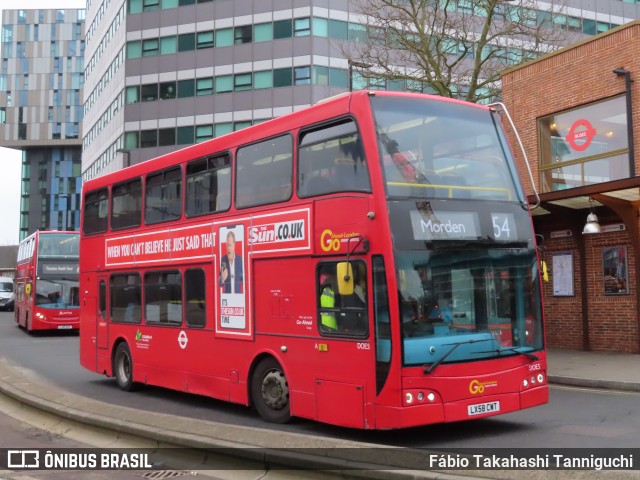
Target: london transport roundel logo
(182, 339)
(580, 135)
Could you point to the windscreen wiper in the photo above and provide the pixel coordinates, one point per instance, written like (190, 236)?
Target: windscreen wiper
(435, 364)
(529, 355)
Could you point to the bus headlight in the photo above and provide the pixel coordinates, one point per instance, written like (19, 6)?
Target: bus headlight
(533, 381)
(415, 397)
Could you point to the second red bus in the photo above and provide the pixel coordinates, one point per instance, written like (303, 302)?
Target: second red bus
(47, 296)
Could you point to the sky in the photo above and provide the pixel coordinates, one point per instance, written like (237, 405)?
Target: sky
(10, 159)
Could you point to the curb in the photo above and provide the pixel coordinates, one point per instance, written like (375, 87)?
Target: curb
(593, 383)
(345, 459)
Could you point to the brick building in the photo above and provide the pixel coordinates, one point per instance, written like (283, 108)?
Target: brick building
(571, 109)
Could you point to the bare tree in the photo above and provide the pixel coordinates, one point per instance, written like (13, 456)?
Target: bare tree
(455, 48)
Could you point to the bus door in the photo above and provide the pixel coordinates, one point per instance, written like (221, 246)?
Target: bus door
(102, 332)
(346, 351)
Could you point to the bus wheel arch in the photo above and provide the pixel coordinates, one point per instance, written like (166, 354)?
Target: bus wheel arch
(270, 390)
(122, 366)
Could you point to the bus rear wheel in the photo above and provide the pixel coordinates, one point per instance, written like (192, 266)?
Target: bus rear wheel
(270, 391)
(123, 367)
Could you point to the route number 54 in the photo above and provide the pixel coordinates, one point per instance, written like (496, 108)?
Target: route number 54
(504, 227)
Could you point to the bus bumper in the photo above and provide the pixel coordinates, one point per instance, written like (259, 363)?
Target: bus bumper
(45, 321)
(391, 417)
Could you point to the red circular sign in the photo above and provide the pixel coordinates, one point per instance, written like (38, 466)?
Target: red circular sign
(580, 131)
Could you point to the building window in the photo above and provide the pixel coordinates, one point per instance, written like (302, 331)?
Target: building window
(150, 5)
(282, 29)
(263, 32)
(282, 77)
(149, 93)
(135, 6)
(167, 90)
(242, 34)
(338, 29)
(204, 132)
(205, 40)
(584, 146)
(168, 45)
(204, 86)
(338, 77)
(302, 75)
(133, 94)
(186, 88)
(148, 138)
(242, 82)
(224, 37)
(185, 135)
(224, 83)
(320, 27)
(186, 42)
(150, 47)
(320, 75)
(131, 140)
(223, 128)
(263, 79)
(166, 137)
(302, 27)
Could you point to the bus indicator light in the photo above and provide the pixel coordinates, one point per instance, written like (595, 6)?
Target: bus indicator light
(322, 347)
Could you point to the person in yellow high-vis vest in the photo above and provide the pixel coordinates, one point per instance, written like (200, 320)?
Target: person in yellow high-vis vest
(327, 301)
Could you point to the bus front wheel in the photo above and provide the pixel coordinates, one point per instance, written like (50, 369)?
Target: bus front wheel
(123, 367)
(270, 391)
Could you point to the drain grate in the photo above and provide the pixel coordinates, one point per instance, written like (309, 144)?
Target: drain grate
(162, 474)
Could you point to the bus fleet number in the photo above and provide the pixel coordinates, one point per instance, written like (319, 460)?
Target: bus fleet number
(363, 346)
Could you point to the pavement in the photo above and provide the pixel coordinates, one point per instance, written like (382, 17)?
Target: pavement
(23, 394)
(607, 370)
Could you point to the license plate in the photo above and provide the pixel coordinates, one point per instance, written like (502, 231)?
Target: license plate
(482, 408)
(64, 327)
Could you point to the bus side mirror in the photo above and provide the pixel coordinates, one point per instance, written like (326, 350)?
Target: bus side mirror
(344, 274)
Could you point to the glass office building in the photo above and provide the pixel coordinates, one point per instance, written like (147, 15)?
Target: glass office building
(41, 97)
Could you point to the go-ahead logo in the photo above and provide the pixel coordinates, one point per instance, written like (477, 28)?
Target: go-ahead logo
(330, 241)
(476, 386)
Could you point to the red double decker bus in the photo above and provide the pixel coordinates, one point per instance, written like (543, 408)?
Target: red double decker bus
(47, 296)
(367, 262)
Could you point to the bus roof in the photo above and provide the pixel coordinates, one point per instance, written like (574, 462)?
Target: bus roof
(327, 108)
